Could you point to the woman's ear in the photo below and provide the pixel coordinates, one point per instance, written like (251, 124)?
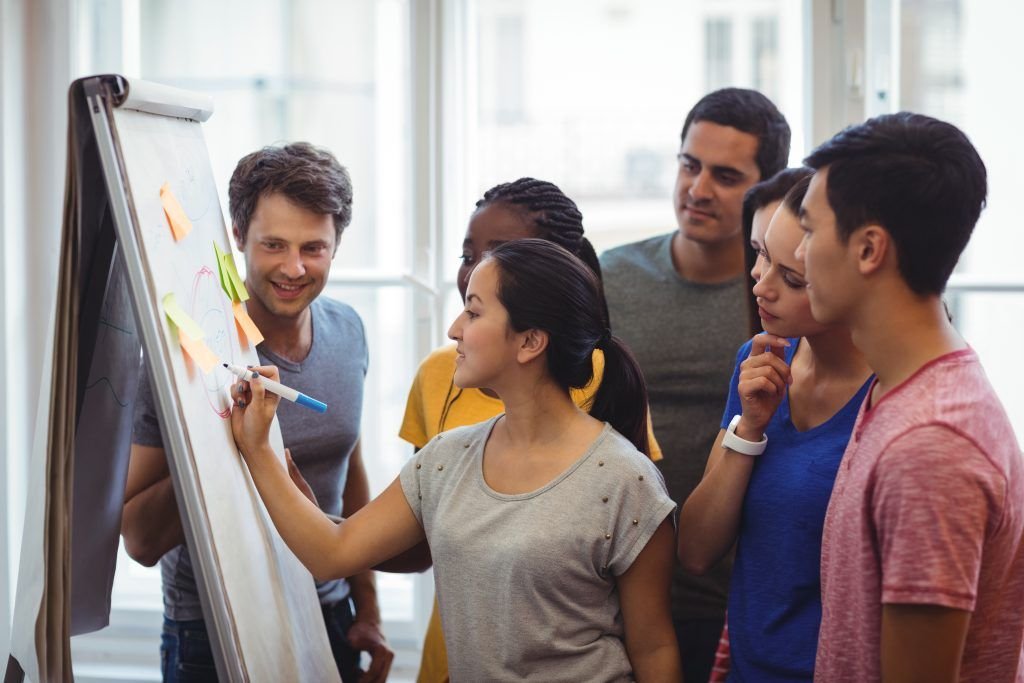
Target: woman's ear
(534, 343)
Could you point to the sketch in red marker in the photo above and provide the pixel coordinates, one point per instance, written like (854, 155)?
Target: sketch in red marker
(212, 313)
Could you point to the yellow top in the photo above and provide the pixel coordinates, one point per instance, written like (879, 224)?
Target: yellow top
(435, 404)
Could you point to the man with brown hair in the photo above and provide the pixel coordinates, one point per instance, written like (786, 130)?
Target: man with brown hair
(289, 205)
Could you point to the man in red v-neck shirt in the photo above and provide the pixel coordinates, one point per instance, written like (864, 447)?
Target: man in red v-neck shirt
(922, 564)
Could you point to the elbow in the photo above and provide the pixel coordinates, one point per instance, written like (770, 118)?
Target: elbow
(695, 566)
(323, 571)
(142, 552)
(692, 558)
(143, 544)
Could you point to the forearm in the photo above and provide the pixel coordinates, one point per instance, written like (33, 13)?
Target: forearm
(364, 597)
(644, 599)
(150, 523)
(382, 529)
(709, 520)
(301, 524)
(657, 662)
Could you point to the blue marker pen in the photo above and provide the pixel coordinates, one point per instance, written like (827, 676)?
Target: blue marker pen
(279, 389)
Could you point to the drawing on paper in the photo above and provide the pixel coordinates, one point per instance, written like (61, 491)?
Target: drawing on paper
(210, 311)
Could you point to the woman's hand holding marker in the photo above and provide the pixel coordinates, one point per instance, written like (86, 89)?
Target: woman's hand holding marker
(254, 410)
(764, 376)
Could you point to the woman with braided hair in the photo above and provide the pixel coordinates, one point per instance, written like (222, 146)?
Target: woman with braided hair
(507, 212)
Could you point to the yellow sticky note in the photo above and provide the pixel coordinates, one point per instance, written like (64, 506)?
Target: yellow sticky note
(199, 351)
(181, 319)
(245, 323)
(180, 224)
(236, 281)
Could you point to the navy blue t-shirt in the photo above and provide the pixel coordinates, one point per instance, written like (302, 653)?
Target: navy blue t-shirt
(775, 593)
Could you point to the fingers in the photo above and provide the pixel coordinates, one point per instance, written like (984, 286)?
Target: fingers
(763, 381)
(368, 636)
(293, 469)
(259, 392)
(771, 343)
(268, 371)
(767, 360)
(240, 394)
(380, 664)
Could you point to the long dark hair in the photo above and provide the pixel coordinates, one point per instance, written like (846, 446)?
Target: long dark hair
(544, 287)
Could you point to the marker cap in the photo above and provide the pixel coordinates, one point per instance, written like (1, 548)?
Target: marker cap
(311, 403)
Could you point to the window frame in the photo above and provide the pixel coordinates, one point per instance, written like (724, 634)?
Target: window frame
(40, 44)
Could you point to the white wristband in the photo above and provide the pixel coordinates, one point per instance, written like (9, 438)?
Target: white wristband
(740, 445)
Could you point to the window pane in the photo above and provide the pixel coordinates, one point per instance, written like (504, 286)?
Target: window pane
(953, 61)
(334, 74)
(993, 324)
(592, 96)
(717, 54)
(953, 66)
(765, 57)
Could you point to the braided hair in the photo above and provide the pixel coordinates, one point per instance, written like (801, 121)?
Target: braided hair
(557, 217)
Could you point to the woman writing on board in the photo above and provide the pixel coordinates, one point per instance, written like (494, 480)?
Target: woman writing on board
(548, 526)
(527, 207)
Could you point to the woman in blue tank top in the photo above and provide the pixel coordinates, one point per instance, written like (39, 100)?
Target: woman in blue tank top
(792, 403)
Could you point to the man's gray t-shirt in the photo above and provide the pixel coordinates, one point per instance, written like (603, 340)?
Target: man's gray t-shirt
(684, 336)
(526, 583)
(320, 444)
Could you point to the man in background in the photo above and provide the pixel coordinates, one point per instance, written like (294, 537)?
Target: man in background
(680, 301)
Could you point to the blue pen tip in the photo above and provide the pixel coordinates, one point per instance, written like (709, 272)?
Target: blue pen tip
(311, 403)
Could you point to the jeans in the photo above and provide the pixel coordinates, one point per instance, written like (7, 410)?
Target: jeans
(186, 655)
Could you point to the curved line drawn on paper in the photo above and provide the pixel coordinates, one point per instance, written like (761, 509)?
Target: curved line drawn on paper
(208, 310)
(111, 325)
(113, 392)
(105, 326)
(194, 187)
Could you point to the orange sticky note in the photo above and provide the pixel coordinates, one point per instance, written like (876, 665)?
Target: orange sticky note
(199, 352)
(245, 323)
(180, 224)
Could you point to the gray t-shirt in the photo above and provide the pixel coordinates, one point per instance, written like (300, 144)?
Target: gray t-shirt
(526, 583)
(320, 444)
(684, 336)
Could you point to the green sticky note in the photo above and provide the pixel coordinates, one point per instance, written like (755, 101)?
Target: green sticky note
(181, 319)
(236, 281)
(225, 282)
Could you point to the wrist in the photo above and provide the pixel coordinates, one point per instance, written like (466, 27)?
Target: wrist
(748, 431)
(367, 614)
(738, 443)
(258, 457)
(364, 598)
